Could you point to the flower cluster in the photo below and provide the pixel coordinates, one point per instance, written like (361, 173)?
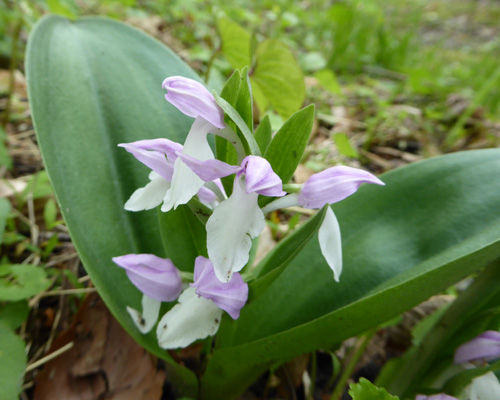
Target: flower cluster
(179, 173)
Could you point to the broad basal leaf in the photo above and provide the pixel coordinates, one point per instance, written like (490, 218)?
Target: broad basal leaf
(434, 223)
(95, 83)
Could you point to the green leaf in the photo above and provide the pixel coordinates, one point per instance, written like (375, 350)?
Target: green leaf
(235, 43)
(434, 223)
(365, 390)
(50, 213)
(247, 137)
(225, 150)
(12, 363)
(13, 314)
(312, 61)
(344, 145)
(288, 145)
(21, 281)
(328, 80)
(232, 87)
(264, 134)
(244, 101)
(38, 186)
(286, 250)
(278, 77)
(4, 213)
(59, 7)
(94, 83)
(5, 159)
(181, 229)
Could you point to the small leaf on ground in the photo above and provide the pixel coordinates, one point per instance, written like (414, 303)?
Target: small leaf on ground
(13, 314)
(365, 390)
(344, 146)
(12, 363)
(21, 281)
(4, 212)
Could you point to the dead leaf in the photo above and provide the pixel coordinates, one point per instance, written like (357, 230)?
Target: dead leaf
(105, 362)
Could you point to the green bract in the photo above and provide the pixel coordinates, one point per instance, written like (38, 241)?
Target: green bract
(94, 83)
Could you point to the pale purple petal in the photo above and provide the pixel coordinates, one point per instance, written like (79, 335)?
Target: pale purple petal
(230, 296)
(230, 230)
(260, 177)
(193, 99)
(193, 318)
(157, 154)
(207, 197)
(332, 185)
(483, 347)
(440, 396)
(156, 277)
(209, 170)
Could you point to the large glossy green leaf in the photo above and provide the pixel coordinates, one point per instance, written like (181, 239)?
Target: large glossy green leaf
(434, 223)
(95, 83)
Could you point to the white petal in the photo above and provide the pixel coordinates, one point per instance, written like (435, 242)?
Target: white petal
(330, 243)
(149, 316)
(230, 230)
(150, 195)
(191, 319)
(485, 387)
(185, 183)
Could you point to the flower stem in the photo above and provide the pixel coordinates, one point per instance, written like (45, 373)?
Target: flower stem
(357, 352)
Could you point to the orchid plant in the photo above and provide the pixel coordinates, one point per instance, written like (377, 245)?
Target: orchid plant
(178, 174)
(170, 241)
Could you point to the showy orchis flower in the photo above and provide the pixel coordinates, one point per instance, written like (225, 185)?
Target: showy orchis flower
(327, 187)
(200, 307)
(238, 219)
(194, 100)
(199, 311)
(440, 396)
(485, 347)
(159, 155)
(157, 278)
